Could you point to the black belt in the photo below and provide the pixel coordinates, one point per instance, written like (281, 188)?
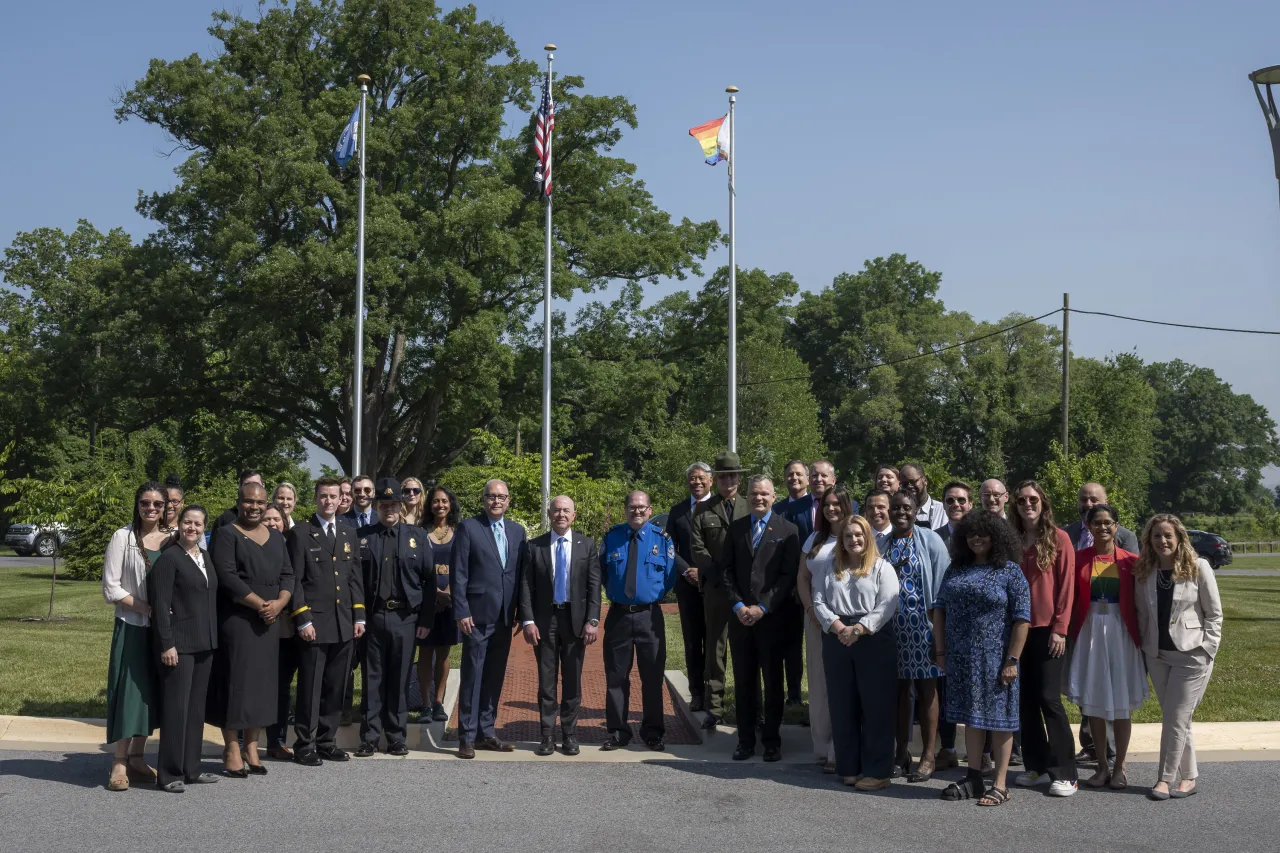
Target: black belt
(849, 620)
(635, 608)
(394, 604)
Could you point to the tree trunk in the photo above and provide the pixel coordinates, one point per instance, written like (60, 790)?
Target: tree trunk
(53, 585)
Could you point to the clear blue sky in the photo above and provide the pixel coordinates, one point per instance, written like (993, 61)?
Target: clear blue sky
(1111, 149)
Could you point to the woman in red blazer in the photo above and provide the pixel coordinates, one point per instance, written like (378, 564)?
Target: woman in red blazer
(1106, 675)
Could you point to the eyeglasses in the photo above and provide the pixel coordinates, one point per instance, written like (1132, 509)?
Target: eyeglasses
(497, 498)
(638, 508)
(411, 491)
(986, 496)
(151, 504)
(1105, 525)
(1028, 501)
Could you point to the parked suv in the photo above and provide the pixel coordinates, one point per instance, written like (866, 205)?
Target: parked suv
(1212, 547)
(28, 539)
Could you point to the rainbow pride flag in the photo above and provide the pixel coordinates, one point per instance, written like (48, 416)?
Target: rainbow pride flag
(714, 139)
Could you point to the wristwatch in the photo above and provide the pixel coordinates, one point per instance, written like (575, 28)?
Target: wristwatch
(1010, 661)
(594, 623)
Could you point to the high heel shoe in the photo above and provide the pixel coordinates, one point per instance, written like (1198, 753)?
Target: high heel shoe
(242, 773)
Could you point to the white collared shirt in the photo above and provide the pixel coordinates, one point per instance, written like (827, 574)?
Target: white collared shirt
(932, 514)
(568, 562)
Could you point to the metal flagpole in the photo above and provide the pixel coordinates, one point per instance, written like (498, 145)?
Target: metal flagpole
(733, 288)
(357, 433)
(546, 326)
(1066, 373)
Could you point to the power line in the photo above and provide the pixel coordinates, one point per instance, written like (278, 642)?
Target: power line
(1178, 325)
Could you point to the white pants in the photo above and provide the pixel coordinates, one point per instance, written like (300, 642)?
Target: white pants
(819, 713)
(1180, 679)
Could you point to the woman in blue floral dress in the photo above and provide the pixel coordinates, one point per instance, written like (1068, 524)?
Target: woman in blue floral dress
(980, 626)
(920, 558)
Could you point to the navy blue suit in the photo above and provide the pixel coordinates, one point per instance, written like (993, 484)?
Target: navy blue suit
(485, 589)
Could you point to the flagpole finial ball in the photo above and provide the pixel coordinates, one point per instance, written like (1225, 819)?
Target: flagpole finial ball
(731, 89)
(364, 79)
(548, 47)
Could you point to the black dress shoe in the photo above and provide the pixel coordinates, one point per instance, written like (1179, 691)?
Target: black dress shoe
(366, 750)
(202, 779)
(494, 745)
(546, 747)
(773, 753)
(256, 769)
(332, 753)
(1086, 756)
(656, 744)
(438, 714)
(696, 703)
(398, 748)
(710, 722)
(466, 749)
(571, 746)
(175, 787)
(307, 758)
(742, 753)
(613, 742)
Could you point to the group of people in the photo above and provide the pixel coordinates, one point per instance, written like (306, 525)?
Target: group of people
(905, 611)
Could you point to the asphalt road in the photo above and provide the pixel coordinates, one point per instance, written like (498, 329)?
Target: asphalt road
(52, 802)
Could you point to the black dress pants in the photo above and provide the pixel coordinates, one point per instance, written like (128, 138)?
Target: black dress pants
(278, 734)
(388, 656)
(862, 690)
(322, 680)
(183, 689)
(1047, 742)
(559, 654)
(790, 628)
(641, 636)
(693, 628)
(757, 653)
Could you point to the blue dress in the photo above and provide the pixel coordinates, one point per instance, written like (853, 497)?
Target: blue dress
(911, 622)
(981, 604)
(444, 630)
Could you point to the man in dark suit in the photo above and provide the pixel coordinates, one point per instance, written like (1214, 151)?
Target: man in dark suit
(485, 577)
(397, 566)
(957, 500)
(361, 513)
(710, 528)
(693, 624)
(759, 566)
(560, 613)
(329, 613)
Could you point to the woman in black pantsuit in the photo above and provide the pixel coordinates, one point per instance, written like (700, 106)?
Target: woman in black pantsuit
(183, 590)
(255, 583)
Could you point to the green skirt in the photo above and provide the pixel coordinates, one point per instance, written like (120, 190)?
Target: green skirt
(132, 710)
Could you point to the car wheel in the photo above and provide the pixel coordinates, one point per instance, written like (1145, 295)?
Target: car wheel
(46, 545)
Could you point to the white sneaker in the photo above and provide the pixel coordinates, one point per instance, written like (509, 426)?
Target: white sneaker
(1030, 779)
(1062, 788)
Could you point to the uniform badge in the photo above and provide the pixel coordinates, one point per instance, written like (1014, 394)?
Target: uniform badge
(364, 542)
(413, 543)
(655, 550)
(346, 547)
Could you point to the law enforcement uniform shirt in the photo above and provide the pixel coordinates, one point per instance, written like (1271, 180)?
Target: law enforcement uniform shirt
(656, 564)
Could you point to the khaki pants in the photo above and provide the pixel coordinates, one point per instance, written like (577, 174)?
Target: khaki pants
(819, 711)
(1180, 679)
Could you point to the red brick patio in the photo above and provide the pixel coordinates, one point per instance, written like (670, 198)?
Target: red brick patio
(518, 713)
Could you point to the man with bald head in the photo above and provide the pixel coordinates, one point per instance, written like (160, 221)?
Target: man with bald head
(560, 614)
(994, 497)
(484, 578)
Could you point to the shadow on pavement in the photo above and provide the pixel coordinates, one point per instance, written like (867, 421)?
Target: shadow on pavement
(806, 776)
(83, 770)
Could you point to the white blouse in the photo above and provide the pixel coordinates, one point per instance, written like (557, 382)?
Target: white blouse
(874, 598)
(124, 572)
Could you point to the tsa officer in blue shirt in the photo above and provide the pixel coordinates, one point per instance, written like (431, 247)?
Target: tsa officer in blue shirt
(640, 567)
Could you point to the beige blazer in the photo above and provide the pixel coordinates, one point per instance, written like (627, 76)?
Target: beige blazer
(1195, 619)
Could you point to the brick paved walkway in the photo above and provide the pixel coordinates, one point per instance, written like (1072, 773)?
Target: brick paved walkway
(518, 713)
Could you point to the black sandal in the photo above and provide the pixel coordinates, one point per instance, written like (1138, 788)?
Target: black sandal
(965, 790)
(994, 797)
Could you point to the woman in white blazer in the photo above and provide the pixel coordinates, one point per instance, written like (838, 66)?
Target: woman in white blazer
(1180, 622)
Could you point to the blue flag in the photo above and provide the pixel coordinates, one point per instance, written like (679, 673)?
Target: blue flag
(346, 147)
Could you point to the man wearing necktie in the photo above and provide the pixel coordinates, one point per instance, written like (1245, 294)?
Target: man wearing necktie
(329, 614)
(560, 614)
(361, 513)
(640, 566)
(761, 558)
(693, 618)
(485, 577)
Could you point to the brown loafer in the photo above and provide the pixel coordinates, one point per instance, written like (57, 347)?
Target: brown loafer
(144, 774)
(869, 783)
(280, 753)
(494, 745)
(466, 749)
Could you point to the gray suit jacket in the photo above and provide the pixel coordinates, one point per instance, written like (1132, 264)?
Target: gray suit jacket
(1125, 537)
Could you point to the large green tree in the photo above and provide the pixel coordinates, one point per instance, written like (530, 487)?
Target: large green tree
(263, 220)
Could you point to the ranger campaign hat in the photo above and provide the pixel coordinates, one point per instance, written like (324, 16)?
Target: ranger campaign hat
(388, 489)
(728, 463)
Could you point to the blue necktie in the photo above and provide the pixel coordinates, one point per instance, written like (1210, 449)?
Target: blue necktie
(561, 593)
(758, 535)
(500, 537)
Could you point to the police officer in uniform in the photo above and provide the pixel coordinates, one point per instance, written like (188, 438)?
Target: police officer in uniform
(397, 566)
(329, 613)
(640, 567)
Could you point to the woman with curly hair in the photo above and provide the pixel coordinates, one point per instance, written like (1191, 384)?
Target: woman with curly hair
(1180, 623)
(1048, 563)
(979, 629)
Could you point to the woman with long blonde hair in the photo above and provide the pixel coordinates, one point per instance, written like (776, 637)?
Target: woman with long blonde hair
(1180, 623)
(855, 596)
(414, 502)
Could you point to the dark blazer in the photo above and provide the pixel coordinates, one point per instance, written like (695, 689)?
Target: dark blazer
(352, 518)
(184, 605)
(767, 576)
(710, 530)
(484, 588)
(328, 584)
(1125, 538)
(680, 529)
(406, 551)
(798, 511)
(944, 533)
(537, 582)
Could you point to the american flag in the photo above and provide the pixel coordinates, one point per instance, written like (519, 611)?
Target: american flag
(542, 138)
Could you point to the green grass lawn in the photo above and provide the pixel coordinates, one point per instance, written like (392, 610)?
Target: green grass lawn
(1266, 561)
(60, 668)
(1246, 676)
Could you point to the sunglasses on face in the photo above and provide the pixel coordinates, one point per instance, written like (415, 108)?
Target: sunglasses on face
(411, 491)
(151, 504)
(1028, 501)
(955, 501)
